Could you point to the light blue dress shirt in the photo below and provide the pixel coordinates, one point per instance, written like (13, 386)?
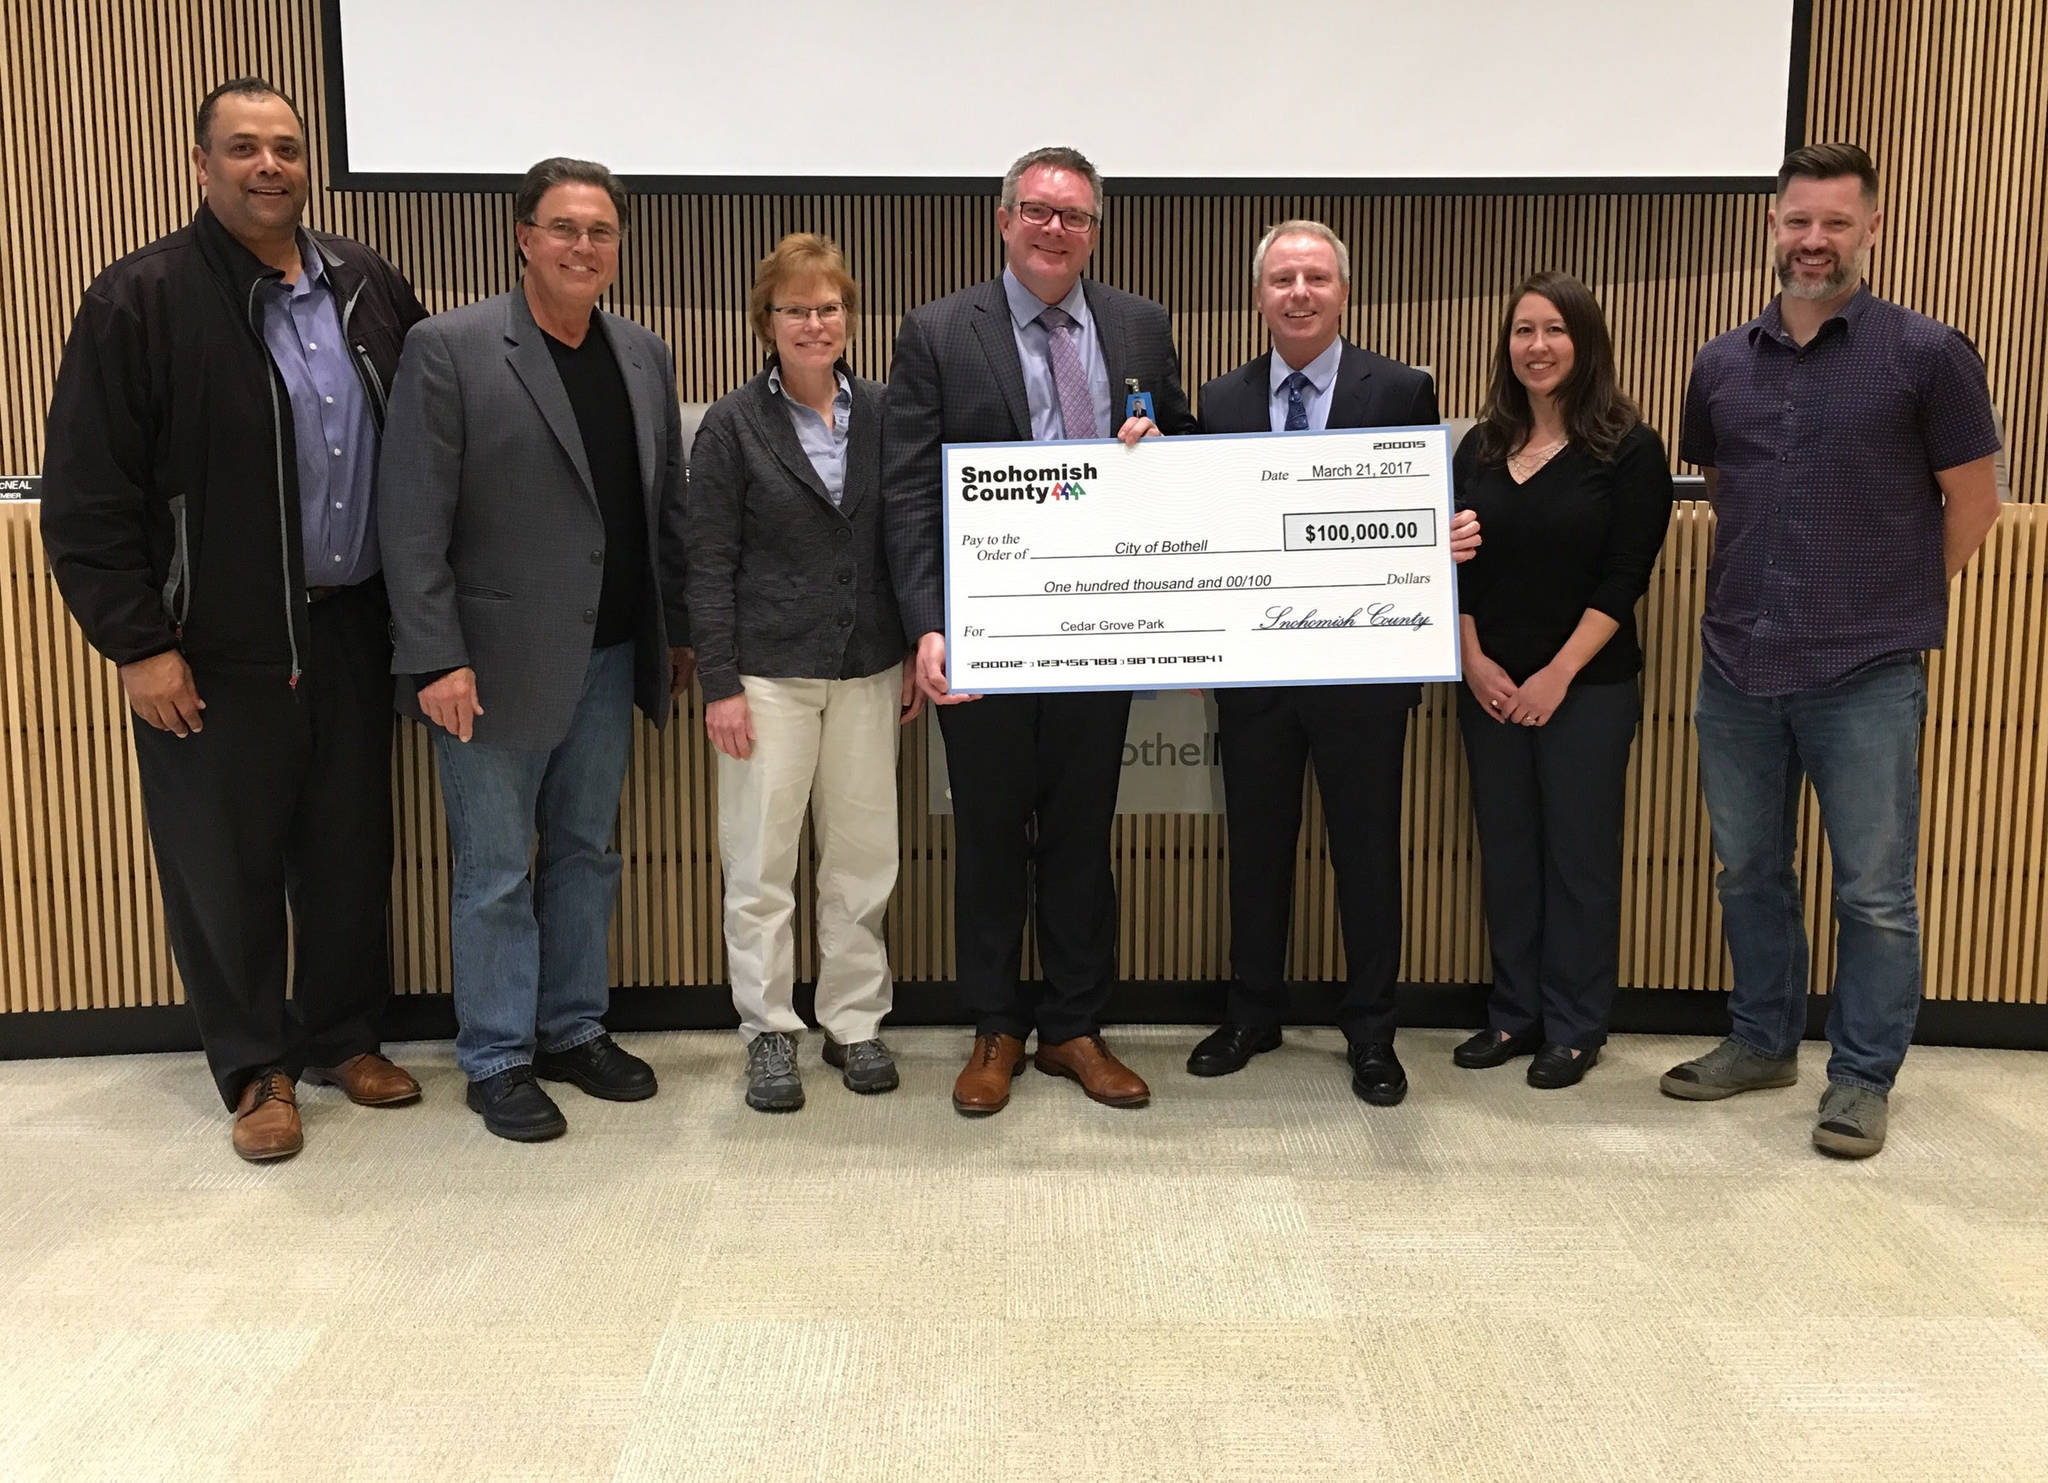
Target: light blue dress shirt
(1322, 379)
(332, 428)
(824, 445)
(1034, 350)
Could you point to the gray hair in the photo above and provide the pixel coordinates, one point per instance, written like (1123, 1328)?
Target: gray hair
(1057, 157)
(1301, 227)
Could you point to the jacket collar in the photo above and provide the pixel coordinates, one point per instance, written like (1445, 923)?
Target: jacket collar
(240, 270)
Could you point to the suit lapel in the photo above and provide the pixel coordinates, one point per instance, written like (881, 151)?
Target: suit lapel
(770, 415)
(644, 392)
(535, 367)
(1109, 334)
(1352, 395)
(863, 436)
(1255, 411)
(991, 319)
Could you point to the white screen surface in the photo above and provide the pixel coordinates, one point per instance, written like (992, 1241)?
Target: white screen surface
(1195, 90)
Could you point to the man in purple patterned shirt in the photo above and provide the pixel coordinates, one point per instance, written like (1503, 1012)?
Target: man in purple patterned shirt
(1847, 445)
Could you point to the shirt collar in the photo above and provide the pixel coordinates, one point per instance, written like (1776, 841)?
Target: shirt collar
(312, 271)
(1772, 321)
(843, 396)
(1320, 372)
(1026, 306)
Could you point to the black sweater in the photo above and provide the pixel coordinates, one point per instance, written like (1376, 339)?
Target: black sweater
(1579, 534)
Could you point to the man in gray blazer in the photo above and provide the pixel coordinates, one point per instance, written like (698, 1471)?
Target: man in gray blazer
(1038, 353)
(532, 461)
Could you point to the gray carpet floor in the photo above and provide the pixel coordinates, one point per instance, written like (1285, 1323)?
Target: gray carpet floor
(1257, 1277)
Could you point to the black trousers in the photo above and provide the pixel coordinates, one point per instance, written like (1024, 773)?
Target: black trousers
(283, 798)
(1355, 736)
(1034, 793)
(1549, 801)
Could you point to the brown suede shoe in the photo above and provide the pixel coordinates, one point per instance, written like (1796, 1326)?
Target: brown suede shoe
(983, 1085)
(267, 1119)
(369, 1080)
(1102, 1076)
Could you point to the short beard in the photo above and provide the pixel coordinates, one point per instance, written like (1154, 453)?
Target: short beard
(1848, 273)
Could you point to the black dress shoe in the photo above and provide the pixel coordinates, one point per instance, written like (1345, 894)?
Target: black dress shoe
(601, 1069)
(515, 1107)
(1492, 1048)
(1229, 1048)
(1376, 1073)
(1555, 1066)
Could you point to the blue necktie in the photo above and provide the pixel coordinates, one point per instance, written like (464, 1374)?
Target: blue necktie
(1297, 409)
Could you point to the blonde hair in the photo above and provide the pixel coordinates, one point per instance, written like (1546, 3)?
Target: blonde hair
(798, 256)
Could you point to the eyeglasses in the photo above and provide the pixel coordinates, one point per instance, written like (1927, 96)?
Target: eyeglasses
(601, 234)
(795, 314)
(1073, 218)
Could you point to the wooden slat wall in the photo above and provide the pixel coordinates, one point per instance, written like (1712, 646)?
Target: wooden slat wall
(95, 105)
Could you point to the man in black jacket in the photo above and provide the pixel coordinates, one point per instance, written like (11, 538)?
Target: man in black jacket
(1310, 381)
(208, 510)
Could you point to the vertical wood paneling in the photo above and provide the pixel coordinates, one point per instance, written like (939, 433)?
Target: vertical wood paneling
(1950, 98)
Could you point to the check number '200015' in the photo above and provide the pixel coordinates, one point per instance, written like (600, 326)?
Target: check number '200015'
(1383, 529)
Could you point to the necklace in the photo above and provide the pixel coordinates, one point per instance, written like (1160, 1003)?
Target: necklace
(1527, 461)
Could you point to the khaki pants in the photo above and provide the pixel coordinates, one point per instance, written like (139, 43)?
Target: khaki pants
(831, 745)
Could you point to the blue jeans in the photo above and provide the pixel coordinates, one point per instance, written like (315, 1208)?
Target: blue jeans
(1860, 743)
(529, 938)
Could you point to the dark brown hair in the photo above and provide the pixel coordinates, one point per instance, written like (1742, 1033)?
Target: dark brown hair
(547, 174)
(1830, 162)
(1597, 416)
(799, 255)
(238, 87)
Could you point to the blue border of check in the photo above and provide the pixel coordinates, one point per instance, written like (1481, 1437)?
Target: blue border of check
(1450, 508)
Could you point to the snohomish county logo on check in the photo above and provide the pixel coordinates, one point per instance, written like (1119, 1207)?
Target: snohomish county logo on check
(1059, 481)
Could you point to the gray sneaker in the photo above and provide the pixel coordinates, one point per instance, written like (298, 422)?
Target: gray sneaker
(1728, 1068)
(1851, 1122)
(772, 1082)
(865, 1065)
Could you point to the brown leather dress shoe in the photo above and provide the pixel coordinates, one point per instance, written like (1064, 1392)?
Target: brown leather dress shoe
(369, 1080)
(267, 1119)
(1102, 1076)
(983, 1085)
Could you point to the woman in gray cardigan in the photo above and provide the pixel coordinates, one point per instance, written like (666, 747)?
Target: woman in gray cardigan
(799, 650)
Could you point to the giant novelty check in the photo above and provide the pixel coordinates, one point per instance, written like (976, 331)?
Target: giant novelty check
(1237, 559)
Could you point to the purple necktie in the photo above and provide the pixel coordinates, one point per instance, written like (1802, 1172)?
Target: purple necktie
(1069, 377)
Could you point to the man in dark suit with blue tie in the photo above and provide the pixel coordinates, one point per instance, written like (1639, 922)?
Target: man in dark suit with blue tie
(1312, 380)
(1037, 354)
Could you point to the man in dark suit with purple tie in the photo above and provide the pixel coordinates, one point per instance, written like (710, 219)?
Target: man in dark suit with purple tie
(1037, 354)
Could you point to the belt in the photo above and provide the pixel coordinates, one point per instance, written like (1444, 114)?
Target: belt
(321, 594)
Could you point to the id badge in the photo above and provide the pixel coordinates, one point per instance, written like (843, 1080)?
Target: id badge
(1137, 403)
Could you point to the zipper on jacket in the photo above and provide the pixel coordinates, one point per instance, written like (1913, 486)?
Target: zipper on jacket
(284, 525)
(178, 584)
(365, 368)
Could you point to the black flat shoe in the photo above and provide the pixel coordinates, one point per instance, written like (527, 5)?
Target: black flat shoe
(514, 1106)
(601, 1069)
(1376, 1073)
(1230, 1048)
(1555, 1066)
(1492, 1048)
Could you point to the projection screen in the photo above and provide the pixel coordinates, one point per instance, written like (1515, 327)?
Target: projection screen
(938, 95)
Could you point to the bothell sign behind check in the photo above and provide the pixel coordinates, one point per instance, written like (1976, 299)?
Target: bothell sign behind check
(1034, 485)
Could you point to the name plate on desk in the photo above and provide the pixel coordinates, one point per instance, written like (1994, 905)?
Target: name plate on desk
(23, 488)
(1237, 559)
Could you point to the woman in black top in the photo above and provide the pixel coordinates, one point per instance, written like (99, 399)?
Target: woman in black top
(1574, 493)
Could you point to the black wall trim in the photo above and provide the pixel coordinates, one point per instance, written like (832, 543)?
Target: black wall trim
(340, 177)
(110, 1032)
